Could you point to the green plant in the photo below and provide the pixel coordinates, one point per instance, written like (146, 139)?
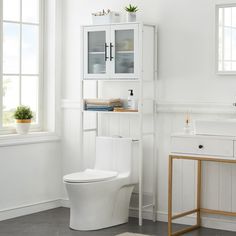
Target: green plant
(131, 8)
(23, 113)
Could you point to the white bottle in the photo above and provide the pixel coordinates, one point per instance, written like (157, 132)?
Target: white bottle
(131, 101)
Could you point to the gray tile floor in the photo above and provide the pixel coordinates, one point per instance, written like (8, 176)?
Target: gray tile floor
(55, 223)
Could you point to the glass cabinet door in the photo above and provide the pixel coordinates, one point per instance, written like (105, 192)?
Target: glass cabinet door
(124, 47)
(96, 52)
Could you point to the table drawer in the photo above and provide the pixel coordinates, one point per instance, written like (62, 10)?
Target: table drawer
(203, 146)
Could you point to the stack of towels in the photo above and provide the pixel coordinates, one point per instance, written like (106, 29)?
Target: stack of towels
(102, 104)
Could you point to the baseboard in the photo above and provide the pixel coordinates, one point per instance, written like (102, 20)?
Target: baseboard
(208, 222)
(65, 203)
(29, 209)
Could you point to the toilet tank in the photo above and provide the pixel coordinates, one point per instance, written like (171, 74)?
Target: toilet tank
(117, 154)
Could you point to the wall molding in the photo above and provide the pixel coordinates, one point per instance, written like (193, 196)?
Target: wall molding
(208, 222)
(173, 107)
(29, 209)
(199, 108)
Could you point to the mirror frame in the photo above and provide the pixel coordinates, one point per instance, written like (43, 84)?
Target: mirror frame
(217, 7)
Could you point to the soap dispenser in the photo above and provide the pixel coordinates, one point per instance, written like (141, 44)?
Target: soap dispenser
(131, 100)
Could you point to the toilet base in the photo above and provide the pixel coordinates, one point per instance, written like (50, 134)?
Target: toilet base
(99, 228)
(99, 211)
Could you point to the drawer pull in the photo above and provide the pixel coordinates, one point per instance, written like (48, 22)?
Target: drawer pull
(200, 146)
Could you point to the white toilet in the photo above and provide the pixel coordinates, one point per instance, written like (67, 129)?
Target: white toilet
(100, 197)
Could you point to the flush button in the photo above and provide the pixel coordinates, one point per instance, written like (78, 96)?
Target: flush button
(200, 146)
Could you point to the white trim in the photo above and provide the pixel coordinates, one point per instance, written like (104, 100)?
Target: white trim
(65, 202)
(1, 61)
(207, 222)
(58, 67)
(200, 108)
(29, 209)
(37, 137)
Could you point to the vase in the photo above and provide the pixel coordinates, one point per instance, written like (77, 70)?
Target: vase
(23, 126)
(131, 16)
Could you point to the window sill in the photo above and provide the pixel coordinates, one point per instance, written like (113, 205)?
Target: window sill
(31, 138)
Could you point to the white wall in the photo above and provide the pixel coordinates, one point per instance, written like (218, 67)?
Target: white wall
(30, 175)
(186, 81)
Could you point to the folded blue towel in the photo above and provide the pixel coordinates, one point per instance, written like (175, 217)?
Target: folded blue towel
(100, 108)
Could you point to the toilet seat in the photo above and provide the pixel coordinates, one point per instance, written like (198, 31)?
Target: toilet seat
(90, 175)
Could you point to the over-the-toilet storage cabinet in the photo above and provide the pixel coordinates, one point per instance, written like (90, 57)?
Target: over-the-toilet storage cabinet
(115, 58)
(111, 51)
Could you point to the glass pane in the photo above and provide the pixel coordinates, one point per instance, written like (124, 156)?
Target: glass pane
(227, 44)
(30, 11)
(234, 16)
(227, 16)
(30, 49)
(220, 16)
(96, 52)
(124, 51)
(10, 98)
(233, 66)
(234, 44)
(227, 66)
(220, 66)
(29, 93)
(11, 10)
(11, 48)
(220, 46)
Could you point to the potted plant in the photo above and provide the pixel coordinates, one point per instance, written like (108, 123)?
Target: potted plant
(131, 13)
(23, 116)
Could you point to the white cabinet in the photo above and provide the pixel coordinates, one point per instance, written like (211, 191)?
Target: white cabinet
(211, 146)
(111, 51)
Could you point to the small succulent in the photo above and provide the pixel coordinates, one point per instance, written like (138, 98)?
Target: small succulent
(23, 113)
(131, 8)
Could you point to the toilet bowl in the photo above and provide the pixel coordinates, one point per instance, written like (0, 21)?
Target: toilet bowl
(100, 197)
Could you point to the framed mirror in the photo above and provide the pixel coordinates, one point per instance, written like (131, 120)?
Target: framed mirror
(226, 39)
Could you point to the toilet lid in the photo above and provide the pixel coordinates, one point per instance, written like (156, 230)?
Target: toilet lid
(89, 175)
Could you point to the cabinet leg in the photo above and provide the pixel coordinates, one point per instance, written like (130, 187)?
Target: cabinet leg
(199, 191)
(170, 171)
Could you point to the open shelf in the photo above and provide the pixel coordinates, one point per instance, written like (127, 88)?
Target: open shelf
(97, 53)
(113, 80)
(124, 52)
(112, 112)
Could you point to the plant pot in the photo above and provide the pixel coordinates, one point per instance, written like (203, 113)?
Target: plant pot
(23, 126)
(131, 16)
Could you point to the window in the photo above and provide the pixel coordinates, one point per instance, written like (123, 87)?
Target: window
(20, 59)
(226, 39)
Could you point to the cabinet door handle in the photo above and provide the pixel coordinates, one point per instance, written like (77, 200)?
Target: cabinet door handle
(111, 46)
(106, 46)
(200, 146)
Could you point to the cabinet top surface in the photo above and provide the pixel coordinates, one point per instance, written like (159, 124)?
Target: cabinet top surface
(201, 158)
(198, 136)
(121, 23)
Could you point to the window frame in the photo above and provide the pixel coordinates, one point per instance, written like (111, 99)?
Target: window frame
(219, 72)
(34, 127)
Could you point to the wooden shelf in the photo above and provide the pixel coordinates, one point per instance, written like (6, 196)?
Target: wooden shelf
(114, 80)
(112, 112)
